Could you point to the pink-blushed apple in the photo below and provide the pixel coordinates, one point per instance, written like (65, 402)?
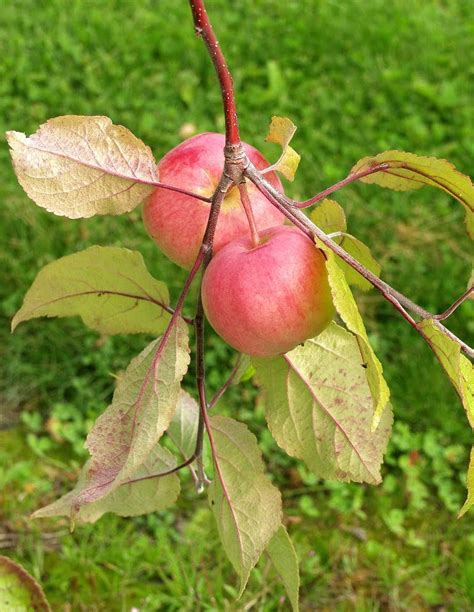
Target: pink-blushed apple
(267, 299)
(177, 222)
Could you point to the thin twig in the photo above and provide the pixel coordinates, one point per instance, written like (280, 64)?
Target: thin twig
(449, 311)
(349, 179)
(230, 379)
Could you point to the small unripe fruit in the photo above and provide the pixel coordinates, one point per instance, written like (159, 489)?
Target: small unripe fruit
(177, 222)
(265, 300)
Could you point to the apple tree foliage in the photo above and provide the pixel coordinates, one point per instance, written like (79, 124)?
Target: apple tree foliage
(326, 402)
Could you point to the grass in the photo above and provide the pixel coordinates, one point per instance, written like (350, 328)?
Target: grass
(357, 78)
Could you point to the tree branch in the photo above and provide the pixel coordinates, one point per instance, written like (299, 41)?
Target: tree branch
(227, 384)
(203, 28)
(397, 299)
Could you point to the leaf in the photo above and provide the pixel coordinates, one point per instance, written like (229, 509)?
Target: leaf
(362, 253)
(108, 287)
(19, 591)
(183, 428)
(246, 506)
(470, 486)
(329, 216)
(133, 499)
(77, 166)
(281, 132)
(124, 438)
(347, 309)
(282, 553)
(409, 171)
(458, 368)
(318, 407)
(245, 370)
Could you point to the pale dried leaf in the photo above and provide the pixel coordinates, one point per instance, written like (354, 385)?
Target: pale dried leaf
(77, 166)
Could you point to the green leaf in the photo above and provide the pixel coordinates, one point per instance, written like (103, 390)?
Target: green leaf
(362, 253)
(282, 553)
(347, 309)
(245, 370)
(409, 171)
(329, 216)
(246, 506)
(281, 132)
(319, 408)
(19, 591)
(470, 486)
(458, 368)
(183, 428)
(123, 441)
(108, 287)
(77, 166)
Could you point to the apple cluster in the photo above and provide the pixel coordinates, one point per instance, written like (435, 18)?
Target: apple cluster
(262, 299)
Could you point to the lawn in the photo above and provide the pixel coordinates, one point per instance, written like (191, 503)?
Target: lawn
(356, 78)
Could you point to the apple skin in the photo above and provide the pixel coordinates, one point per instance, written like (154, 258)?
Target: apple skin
(177, 222)
(266, 300)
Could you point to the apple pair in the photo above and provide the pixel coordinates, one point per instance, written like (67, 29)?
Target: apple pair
(263, 300)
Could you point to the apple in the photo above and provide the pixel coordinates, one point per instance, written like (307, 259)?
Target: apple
(267, 299)
(177, 222)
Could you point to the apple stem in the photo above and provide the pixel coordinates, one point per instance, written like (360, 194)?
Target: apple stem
(244, 198)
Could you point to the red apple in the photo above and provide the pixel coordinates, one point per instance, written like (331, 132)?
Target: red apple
(177, 222)
(265, 300)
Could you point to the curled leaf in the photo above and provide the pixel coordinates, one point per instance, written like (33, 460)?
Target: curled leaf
(347, 309)
(407, 171)
(108, 287)
(458, 367)
(281, 132)
(77, 166)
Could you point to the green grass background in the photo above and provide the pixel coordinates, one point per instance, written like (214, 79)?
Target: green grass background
(357, 78)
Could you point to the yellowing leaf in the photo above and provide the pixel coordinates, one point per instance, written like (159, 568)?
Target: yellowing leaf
(318, 407)
(282, 553)
(409, 171)
(123, 441)
(77, 166)
(362, 253)
(329, 216)
(470, 486)
(19, 591)
(346, 307)
(246, 506)
(108, 287)
(458, 367)
(281, 132)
